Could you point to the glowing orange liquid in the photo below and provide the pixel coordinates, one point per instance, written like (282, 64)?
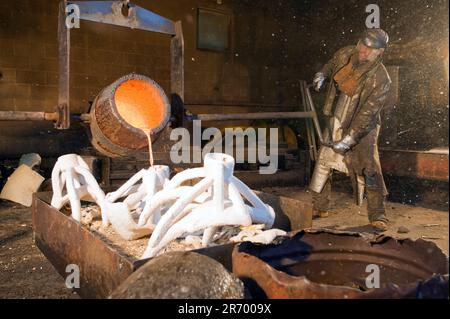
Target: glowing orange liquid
(141, 105)
(150, 149)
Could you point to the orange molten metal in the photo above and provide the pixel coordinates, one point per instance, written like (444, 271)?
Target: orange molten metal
(140, 104)
(127, 115)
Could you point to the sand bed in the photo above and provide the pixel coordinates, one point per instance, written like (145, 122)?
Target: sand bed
(91, 219)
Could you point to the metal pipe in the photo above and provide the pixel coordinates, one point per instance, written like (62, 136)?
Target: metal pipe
(252, 116)
(63, 107)
(39, 116)
(85, 118)
(254, 105)
(27, 116)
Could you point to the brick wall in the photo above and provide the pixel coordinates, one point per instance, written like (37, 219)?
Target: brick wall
(100, 54)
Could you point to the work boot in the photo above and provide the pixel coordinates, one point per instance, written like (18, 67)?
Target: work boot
(376, 208)
(379, 225)
(321, 201)
(317, 213)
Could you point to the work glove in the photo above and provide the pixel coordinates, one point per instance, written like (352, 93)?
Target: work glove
(344, 145)
(318, 80)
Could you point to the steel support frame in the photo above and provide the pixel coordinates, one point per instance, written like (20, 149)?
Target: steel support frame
(112, 12)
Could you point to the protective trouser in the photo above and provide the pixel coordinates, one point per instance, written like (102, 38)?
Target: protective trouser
(375, 197)
(321, 201)
(373, 191)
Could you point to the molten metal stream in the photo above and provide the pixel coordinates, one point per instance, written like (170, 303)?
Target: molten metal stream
(150, 149)
(141, 105)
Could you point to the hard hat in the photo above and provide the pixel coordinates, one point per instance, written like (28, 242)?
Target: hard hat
(375, 38)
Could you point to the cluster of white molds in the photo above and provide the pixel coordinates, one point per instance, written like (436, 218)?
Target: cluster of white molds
(216, 200)
(153, 204)
(72, 181)
(72, 174)
(137, 194)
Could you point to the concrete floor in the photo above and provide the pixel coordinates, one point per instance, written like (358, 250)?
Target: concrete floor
(24, 270)
(426, 223)
(26, 273)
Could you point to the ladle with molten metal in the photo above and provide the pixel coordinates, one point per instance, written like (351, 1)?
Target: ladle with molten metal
(141, 104)
(128, 115)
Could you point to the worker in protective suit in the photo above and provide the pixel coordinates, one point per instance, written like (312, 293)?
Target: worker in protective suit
(358, 88)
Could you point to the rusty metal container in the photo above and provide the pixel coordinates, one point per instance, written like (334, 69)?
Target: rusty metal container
(103, 265)
(324, 264)
(122, 110)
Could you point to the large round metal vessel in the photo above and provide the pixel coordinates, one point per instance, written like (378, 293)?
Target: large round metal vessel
(122, 110)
